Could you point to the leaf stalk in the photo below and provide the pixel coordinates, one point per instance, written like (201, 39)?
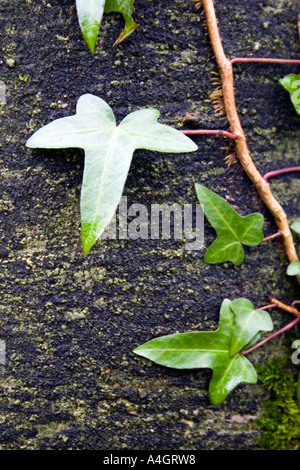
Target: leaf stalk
(227, 134)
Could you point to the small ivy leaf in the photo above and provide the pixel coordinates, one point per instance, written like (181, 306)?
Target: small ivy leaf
(89, 14)
(232, 229)
(293, 268)
(125, 7)
(204, 349)
(296, 226)
(108, 152)
(291, 83)
(247, 324)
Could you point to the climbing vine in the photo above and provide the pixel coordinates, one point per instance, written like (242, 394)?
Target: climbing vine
(109, 147)
(209, 349)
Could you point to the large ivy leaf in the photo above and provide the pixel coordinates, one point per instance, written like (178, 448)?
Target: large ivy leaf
(108, 152)
(89, 14)
(291, 83)
(204, 349)
(125, 7)
(247, 324)
(232, 229)
(293, 268)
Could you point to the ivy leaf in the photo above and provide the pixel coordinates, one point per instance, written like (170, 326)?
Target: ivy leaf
(108, 152)
(204, 349)
(253, 341)
(291, 83)
(125, 7)
(296, 226)
(89, 14)
(232, 229)
(247, 324)
(293, 268)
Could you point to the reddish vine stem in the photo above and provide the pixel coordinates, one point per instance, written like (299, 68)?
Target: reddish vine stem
(275, 235)
(267, 306)
(277, 333)
(263, 60)
(227, 134)
(273, 173)
(288, 308)
(242, 152)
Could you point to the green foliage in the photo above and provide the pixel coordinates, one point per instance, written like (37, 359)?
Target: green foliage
(214, 350)
(248, 323)
(296, 226)
(108, 152)
(291, 83)
(232, 229)
(293, 269)
(280, 423)
(126, 8)
(90, 14)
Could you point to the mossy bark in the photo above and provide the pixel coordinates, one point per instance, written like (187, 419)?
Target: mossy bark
(70, 322)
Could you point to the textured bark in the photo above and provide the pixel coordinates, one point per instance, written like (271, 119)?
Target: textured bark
(70, 322)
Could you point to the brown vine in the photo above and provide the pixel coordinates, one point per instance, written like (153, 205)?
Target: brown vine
(241, 148)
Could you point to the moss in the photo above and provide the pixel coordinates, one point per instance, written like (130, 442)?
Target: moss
(280, 423)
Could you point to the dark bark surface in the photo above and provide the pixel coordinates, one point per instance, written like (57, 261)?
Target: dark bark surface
(70, 322)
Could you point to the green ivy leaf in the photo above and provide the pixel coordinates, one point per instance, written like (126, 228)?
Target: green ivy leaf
(293, 268)
(232, 229)
(125, 7)
(89, 14)
(253, 341)
(296, 226)
(204, 350)
(291, 83)
(247, 324)
(108, 152)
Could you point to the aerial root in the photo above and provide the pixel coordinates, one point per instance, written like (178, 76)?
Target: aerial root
(231, 159)
(217, 98)
(198, 4)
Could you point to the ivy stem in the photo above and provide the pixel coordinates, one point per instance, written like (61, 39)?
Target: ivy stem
(227, 134)
(241, 148)
(277, 333)
(273, 173)
(287, 308)
(263, 60)
(267, 306)
(275, 235)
